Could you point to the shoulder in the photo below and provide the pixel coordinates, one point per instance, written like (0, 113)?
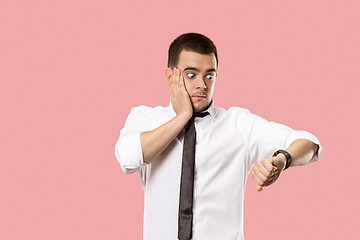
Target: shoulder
(232, 111)
(149, 111)
(239, 110)
(242, 116)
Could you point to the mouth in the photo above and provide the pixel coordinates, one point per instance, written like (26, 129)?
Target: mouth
(200, 96)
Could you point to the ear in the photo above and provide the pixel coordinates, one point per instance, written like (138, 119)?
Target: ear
(168, 73)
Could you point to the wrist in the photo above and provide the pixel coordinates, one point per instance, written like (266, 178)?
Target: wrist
(287, 156)
(184, 117)
(282, 159)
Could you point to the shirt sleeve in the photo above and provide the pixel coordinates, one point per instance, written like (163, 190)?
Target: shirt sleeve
(128, 149)
(266, 137)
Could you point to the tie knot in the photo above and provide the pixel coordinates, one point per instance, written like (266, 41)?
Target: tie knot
(200, 114)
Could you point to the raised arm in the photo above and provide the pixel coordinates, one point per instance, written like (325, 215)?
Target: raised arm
(268, 170)
(265, 137)
(155, 141)
(301, 152)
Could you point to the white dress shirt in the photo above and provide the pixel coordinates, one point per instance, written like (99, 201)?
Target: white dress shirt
(228, 144)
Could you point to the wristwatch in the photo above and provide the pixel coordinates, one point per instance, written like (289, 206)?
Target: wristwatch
(287, 155)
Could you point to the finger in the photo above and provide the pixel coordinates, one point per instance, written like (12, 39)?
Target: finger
(175, 77)
(183, 85)
(268, 165)
(259, 188)
(261, 168)
(274, 169)
(182, 81)
(179, 76)
(259, 174)
(269, 181)
(176, 80)
(171, 76)
(262, 181)
(257, 179)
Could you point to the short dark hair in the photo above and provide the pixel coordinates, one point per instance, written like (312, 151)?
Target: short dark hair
(195, 42)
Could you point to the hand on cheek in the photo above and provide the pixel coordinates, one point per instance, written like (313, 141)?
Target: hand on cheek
(180, 98)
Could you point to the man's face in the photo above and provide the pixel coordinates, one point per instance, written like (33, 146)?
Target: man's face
(199, 71)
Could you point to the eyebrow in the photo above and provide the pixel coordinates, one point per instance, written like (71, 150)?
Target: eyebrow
(197, 70)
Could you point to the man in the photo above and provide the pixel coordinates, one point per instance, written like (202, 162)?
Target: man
(194, 187)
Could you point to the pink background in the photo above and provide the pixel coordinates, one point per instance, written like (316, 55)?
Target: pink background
(71, 71)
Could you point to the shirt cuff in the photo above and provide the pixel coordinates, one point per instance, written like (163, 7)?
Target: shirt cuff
(308, 136)
(129, 153)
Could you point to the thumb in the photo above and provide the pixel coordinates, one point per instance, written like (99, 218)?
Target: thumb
(259, 188)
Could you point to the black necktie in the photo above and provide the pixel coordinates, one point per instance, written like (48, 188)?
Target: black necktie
(187, 180)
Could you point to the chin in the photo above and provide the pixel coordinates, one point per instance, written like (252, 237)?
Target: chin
(200, 107)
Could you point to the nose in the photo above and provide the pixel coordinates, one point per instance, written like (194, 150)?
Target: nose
(202, 84)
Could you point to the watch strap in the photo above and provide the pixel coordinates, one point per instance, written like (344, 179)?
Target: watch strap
(287, 155)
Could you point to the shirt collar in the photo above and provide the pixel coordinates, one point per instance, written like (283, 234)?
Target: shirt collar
(211, 108)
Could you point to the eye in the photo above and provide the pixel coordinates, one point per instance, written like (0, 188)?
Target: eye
(190, 75)
(210, 76)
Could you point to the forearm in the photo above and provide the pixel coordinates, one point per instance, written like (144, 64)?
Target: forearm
(301, 151)
(155, 141)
